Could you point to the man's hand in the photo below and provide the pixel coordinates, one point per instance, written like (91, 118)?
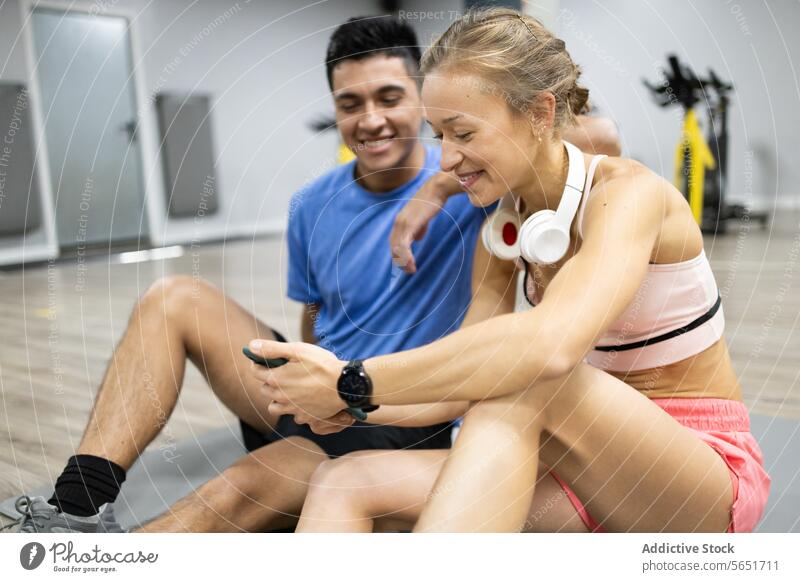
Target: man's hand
(412, 222)
(306, 385)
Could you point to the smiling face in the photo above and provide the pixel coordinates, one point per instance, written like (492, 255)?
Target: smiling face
(486, 145)
(378, 113)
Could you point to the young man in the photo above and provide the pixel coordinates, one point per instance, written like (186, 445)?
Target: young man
(356, 304)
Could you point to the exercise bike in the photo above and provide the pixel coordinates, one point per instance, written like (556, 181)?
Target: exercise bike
(701, 164)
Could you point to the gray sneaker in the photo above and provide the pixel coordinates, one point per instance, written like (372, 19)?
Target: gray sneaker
(38, 516)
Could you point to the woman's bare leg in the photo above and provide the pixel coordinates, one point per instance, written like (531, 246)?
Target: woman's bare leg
(386, 490)
(634, 467)
(348, 494)
(551, 510)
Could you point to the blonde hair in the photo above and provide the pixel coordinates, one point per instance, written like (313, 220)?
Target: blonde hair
(518, 57)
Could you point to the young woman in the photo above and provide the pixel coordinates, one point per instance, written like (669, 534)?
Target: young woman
(610, 406)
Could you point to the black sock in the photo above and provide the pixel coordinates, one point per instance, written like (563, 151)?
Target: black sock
(86, 483)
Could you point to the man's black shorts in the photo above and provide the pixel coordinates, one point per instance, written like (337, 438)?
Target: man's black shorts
(358, 437)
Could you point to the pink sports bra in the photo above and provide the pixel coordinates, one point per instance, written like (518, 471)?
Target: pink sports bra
(675, 314)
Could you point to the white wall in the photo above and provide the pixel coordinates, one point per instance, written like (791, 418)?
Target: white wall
(12, 49)
(754, 45)
(429, 18)
(264, 64)
(38, 244)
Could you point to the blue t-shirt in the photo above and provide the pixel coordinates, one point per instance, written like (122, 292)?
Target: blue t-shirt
(339, 257)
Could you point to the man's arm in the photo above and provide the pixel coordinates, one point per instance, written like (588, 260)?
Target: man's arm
(594, 135)
(412, 221)
(307, 320)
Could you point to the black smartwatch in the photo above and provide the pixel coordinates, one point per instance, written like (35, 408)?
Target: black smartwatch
(355, 386)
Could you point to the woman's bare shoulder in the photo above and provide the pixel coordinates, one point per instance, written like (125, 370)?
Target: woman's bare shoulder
(624, 178)
(679, 237)
(614, 169)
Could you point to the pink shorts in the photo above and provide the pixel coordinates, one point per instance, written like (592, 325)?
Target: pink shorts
(725, 426)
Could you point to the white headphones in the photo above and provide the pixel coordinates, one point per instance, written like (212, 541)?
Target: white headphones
(544, 237)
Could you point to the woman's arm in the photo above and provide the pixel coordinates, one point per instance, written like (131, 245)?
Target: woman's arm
(510, 352)
(493, 287)
(418, 414)
(493, 293)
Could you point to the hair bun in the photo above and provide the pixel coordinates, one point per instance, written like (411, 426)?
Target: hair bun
(578, 100)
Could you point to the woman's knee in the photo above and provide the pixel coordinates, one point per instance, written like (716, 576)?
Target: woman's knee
(542, 403)
(517, 409)
(534, 408)
(345, 472)
(342, 481)
(560, 398)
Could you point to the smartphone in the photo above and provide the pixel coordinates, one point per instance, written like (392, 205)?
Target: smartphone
(260, 360)
(356, 413)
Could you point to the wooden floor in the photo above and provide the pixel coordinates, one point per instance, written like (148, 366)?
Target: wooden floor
(59, 323)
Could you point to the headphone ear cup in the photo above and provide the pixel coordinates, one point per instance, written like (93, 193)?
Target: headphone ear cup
(500, 234)
(542, 239)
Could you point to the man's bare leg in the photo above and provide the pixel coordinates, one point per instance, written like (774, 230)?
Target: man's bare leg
(178, 317)
(263, 490)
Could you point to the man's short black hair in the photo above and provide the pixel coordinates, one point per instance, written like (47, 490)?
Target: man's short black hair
(365, 36)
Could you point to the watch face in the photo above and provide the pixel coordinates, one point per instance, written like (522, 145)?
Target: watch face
(352, 387)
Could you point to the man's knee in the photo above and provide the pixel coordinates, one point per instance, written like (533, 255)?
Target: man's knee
(243, 482)
(174, 296)
(289, 462)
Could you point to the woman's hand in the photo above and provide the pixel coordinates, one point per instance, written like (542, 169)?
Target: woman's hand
(305, 386)
(336, 423)
(412, 221)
